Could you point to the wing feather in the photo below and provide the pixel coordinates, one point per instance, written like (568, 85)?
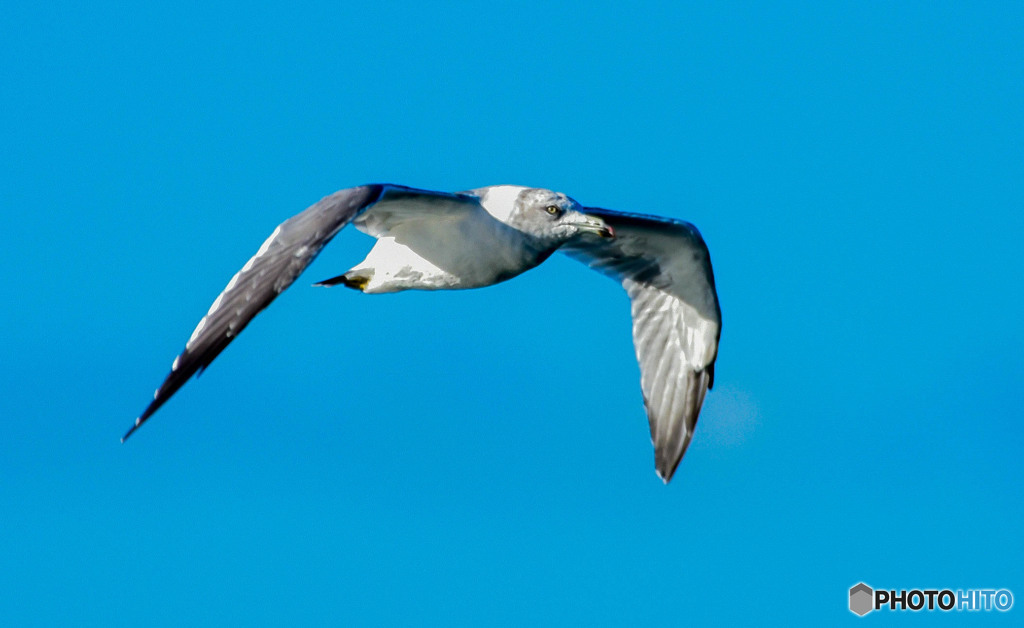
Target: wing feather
(292, 246)
(665, 268)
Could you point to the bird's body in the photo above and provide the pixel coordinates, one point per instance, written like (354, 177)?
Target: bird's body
(440, 241)
(413, 250)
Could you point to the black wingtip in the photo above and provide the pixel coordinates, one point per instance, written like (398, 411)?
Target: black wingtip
(159, 401)
(131, 431)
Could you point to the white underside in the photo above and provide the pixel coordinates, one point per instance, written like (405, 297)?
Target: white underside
(439, 247)
(392, 267)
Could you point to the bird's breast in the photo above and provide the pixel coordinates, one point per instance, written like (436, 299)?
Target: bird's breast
(455, 253)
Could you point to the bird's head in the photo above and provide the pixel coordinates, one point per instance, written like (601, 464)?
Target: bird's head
(552, 218)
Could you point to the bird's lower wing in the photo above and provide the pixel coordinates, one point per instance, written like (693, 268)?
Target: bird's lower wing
(292, 246)
(665, 268)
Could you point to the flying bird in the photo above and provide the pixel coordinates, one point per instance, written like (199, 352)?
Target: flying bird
(442, 241)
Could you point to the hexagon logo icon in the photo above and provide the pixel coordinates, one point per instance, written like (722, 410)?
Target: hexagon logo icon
(861, 599)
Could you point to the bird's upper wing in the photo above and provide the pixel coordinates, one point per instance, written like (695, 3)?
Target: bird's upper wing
(292, 246)
(665, 269)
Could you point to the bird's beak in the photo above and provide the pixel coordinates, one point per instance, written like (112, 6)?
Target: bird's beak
(593, 224)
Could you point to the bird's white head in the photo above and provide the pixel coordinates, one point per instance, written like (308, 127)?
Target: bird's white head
(551, 218)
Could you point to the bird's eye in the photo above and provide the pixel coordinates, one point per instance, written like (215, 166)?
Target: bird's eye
(552, 209)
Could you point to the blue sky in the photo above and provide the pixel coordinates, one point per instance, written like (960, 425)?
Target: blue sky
(482, 457)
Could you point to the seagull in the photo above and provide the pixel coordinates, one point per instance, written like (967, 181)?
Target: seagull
(430, 240)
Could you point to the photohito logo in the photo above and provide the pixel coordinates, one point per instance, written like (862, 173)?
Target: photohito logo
(864, 599)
